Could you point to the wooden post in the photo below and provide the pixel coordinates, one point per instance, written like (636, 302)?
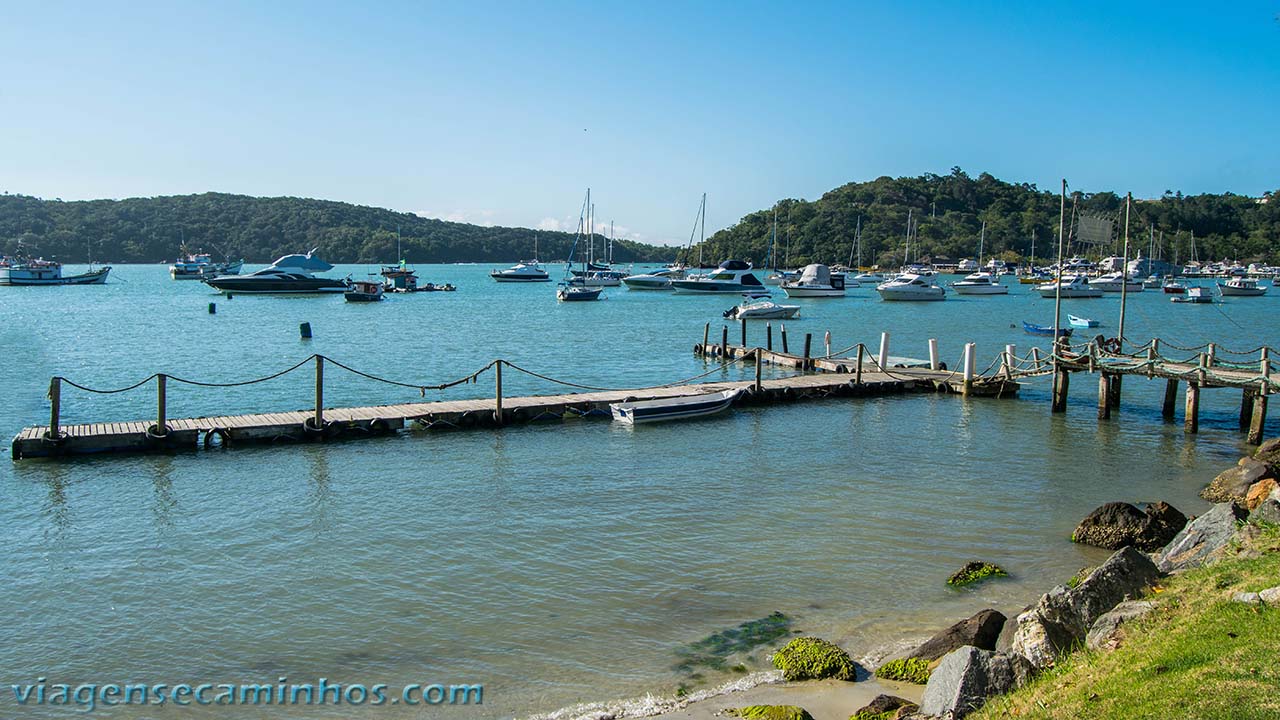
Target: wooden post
(883, 359)
(706, 336)
(319, 392)
(1191, 423)
(724, 340)
(768, 336)
(1035, 359)
(1259, 420)
(1104, 396)
(1211, 356)
(1061, 383)
(1201, 372)
(808, 340)
(970, 349)
(161, 427)
(1010, 357)
(783, 329)
(826, 343)
(744, 332)
(1246, 408)
(55, 407)
(1152, 354)
(759, 363)
(1113, 390)
(857, 376)
(497, 391)
(933, 353)
(1170, 399)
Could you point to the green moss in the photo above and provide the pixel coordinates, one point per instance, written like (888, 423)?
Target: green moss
(866, 715)
(713, 650)
(975, 572)
(1081, 574)
(912, 670)
(809, 658)
(770, 712)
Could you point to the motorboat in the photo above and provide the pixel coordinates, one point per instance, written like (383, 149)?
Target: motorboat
(779, 277)
(1044, 330)
(967, 266)
(289, 275)
(656, 280)
(1035, 276)
(1071, 286)
(1195, 295)
(760, 308)
(1082, 322)
(364, 291)
(874, 278)
(909, 286)
(676, 408)
(567, 292)
(815, 280)
(199, 266)
(979, 283)
(526, 271)
(597, 279)
(1153, 282)
(1174, 287)
(1112, 282)
(733, 276)
(1242, 287)
(38, 271)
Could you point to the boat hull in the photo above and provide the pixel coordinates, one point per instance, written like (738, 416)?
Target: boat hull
(647, 282)
(520, 278)
(1228, 291)
(900, 296)
(578, 294)
(710, 287)
(647, 411)
(979, 289)
(316, 286)
(801, 292)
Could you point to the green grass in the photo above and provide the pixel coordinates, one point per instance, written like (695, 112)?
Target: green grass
(912, 670)
(1198, 655)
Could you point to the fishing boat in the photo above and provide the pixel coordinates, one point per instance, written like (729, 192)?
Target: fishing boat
(198, 266)
(364, 291)
(909, 286)
(38, 271)
(1044, 330)
(816, 280)
(733, 276)
(1242, 287)
(979, 283)
(1195, 295)
(678, 408)
(289, 275)
(754, 307)
(1070, 286)
(1083, 322)
(1153, 282)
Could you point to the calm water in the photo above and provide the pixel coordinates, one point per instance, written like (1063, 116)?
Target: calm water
(554, 564)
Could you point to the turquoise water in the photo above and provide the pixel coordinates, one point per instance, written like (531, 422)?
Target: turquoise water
(555, 564)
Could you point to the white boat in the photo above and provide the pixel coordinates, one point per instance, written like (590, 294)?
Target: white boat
(656, 280)
(678, 408)
(967, 266)
(200, 266)
(1195, 295)
(873, 278)
(1082, 322)
(1072, 286)
(289, 275)
(733, 276)
(1111, 282)
(909, 286)
(526, 271)
(815, 280)
(756, 308)
(979, 283)
(46, 272)
(597, 279)
(1243, 287)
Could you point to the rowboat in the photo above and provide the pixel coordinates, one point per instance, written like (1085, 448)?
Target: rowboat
(677, 408)
(1045, 330)
(1082, 322)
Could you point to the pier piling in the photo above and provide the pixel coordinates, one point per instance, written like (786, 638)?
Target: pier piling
(1170, 399)
(706, 335)
(319, 414)
(162, 427)
(1061, 383)
(304, 330)
(768, 336)
(759, 362)
(882, 361)
(808, 340)
(724, 340)
(933, 353)
(1113, 390)
(1191, 423)
(1104, 396)
(497, 391)
(743, 321)
(783, 330)
(213, 308)
(1259, 420)
(970, 349)
(857, 377)
(55, 407)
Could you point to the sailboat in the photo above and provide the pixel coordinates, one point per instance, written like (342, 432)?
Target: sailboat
(980, 283)
(574, 289)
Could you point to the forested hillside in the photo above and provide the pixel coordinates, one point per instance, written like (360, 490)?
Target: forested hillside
(262, 229)
(950, 210)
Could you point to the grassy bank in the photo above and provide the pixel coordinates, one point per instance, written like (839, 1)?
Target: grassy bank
(1198, 655)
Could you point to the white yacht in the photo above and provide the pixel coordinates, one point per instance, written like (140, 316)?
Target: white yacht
(527, 271)
(815, 280)
(733, 276)
(1111, 282)
(909, 286)
(874, 278)
(979, 283)
(1072, 286)
(656, 280)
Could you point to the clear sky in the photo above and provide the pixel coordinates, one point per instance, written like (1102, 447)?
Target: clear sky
(504, 113)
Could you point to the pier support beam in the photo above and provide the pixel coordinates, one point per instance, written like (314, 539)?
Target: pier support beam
(497, 392)
(162, 426)
(1061, 382)
(744, 332)
(759, 362)
(1170, 399)
(883, 359)
(55, 407)
(808, 341)
(1259, 420)
(706, 337)
(1113, 390)
(319, 416)
(1246, 408)
(1104, 395)
(768, 336)
(857, 371)
(933, 353)
(783, 329)
(724, 341)
(1191, 423)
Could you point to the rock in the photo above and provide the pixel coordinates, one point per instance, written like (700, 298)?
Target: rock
(770, 712)
(1105, 633)
(1270, 596)
(1118, 524)
(975, 571)
(912, 670)
(882, 706)
(1202, 540)
(908, 712)
(1267, 512)
(1004, 643)
(1268, 453)
(966, 677)
(1258, 492)
(1063, 616)
(980, 631)
(1248, 598)
(810, 658)
(1234, 483)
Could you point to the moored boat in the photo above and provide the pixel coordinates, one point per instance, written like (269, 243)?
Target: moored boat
(733, 276)
(1112, 282)
(526, 271)
(1083, 322)
(289, 275)
(1195, 295)
(364, 291)
(815, 280)
(1070, 286)
(979, 283)
(677, 408)
(909, 286)
(38, 271)
(757, 308)
(1044, 330)
(1242, 287)
(567, 292)
(200, 266)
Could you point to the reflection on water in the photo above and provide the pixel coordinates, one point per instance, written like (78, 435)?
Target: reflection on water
(165, 497)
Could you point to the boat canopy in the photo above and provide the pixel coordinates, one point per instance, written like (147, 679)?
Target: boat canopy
(735, 265)
(815, 274)
(306, 263)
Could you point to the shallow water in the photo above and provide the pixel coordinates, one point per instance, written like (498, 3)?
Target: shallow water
(555, 564)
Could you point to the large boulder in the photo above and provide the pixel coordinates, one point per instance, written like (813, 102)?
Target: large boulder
(981, 631)
(1063, 616)
(882, 706)
(1105, 633)
(1267, 512)
(966, 677)
(1203, 539)
(1234, 483)
(1258, 492)
(769, 712)
(1119, 524)
(1268, 453)
(810, 658)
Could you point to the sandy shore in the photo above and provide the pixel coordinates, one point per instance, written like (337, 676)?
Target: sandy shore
(824, 699)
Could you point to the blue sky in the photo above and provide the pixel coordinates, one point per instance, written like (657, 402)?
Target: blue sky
(504, 113)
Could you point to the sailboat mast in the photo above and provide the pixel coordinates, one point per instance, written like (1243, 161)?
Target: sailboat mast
(857, 241)
(703, 235)
(906, 250)
(610, 258)
(773, 243)
(1057, 290)
(1124, 271)
(982, 239)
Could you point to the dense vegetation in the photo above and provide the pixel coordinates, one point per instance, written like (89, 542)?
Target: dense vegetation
(950, 210)
(947, 213)
(262, 229)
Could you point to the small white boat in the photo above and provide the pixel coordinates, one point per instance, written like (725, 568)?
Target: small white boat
(1082, 322)
(874, 278)
(778, 277)
(909, 286)
(815, 280)
(677, 408)
(1195, 295)
(527, 271)
(979, 283)
(1242, 287)
(1111, 282)
(1071, 286)
(758, 308)
(597, 279)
